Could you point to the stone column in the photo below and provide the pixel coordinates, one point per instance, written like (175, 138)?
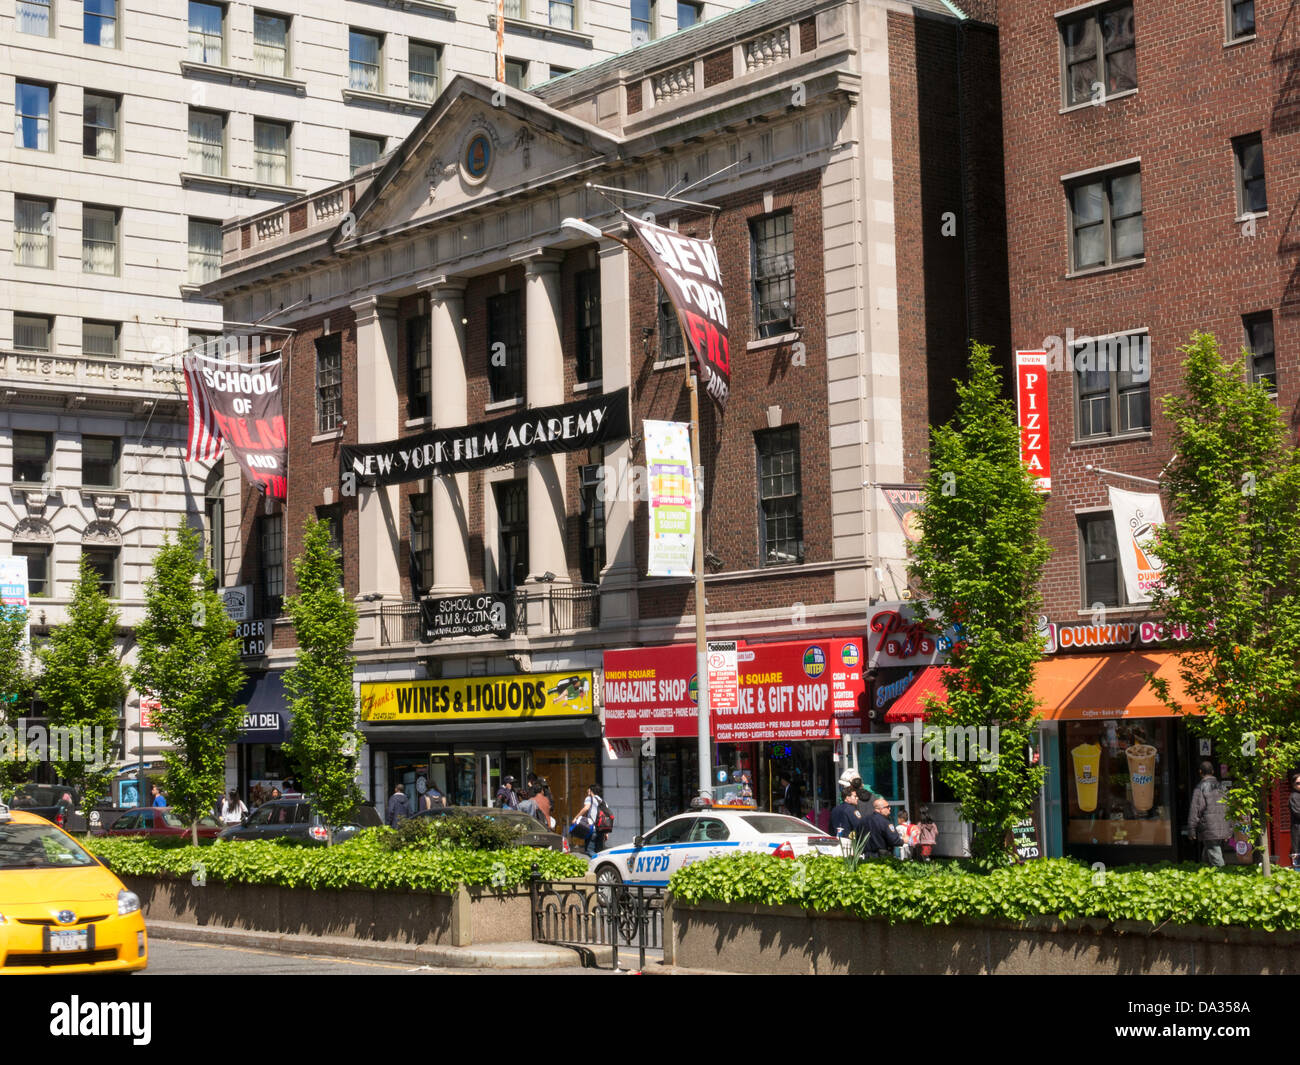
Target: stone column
(449, 408)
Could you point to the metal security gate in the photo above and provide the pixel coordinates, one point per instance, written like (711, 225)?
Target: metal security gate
(588, 916)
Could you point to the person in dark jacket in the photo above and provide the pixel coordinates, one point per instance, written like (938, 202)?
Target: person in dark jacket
(846, 818)
(1293, 801)
(398, 810)
(1208, 816)
(882, 839)
(793, 797)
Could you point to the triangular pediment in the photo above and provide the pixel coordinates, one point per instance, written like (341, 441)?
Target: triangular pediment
(479, 143)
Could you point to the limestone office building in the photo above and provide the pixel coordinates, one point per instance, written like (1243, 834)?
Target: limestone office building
(853, 150)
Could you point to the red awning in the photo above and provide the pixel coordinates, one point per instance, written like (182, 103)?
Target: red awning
(911, 704)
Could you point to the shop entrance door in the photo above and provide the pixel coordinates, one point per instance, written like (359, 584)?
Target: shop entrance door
(464, 783)
(569, 773)
(880, 771)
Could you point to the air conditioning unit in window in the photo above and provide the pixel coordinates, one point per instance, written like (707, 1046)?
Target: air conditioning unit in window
(591, 476)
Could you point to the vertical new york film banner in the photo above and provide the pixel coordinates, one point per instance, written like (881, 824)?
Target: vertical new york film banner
(241, 405)
(672, 499)
(688, 269)
(1031, 408)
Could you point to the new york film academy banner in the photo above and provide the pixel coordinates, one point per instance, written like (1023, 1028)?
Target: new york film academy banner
(795, 690)
(239, 404)
(1136, 516)
(688, 269)
(484, 445)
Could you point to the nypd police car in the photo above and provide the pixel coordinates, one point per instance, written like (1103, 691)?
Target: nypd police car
(651, 859)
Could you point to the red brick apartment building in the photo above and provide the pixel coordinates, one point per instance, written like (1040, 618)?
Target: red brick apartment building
(853, 148)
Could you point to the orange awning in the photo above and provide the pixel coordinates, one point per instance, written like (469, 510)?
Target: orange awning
(1090, 687)
(911, 704)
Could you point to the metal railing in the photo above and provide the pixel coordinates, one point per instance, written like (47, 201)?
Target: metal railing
(586, 916)
(399, 623)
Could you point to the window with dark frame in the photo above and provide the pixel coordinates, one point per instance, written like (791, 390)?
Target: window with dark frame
(688, 14)
(362, 150)
(780, 498)
(365, 61)
(1099, 552)
(99, 239)
(671, 343)
(419, 367)
(99, 23)
(591, 543)
(204, 251)
(104, 562)
(207, 40)
(1098, 53)
(512, 533)
(586, 291)
(32, 332)
(1259, 342)
(424, 63)
(100, 457)
(33, 16)
(1112, 385)
(271, 151)
(271, 44)
(99, 113)
(1241, 19)
(1248, 158)
(563, 14)
(516, 73)
(31, 456)
(207, 143)
(772, 264)
(33, 232)
(38, 568)
(1105, 219)
(329, 383)
(421, 540)
(271, 543)
(32, 104)
(214, 525)
(332, 515)
(100, 338)
(505, 347)
(642, 21)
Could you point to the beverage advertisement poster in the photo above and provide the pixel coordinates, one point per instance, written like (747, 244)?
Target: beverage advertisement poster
(672, 499)
(1118, 787)
(1137, 514)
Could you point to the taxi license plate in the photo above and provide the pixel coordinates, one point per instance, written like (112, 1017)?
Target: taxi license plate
(68, 939)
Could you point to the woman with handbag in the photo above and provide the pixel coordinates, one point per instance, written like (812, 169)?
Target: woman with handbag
(589, 825)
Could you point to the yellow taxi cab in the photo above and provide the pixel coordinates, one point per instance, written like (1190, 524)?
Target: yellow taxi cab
(61, 910)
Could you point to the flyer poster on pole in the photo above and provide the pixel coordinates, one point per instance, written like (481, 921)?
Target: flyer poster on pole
(672, 499)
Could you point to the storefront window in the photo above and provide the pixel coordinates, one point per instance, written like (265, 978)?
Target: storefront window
(1117, 783)
(880, 771)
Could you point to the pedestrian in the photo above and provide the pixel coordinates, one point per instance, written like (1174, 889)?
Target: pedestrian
(275, 794)
(159, 799)
(233, 811)
(906, 832)
(542, 796)
(432, 797)
(1293, 801)
(529, 805)
(881, 837)
(793, 798)
(927, 835)
(1207, 818)
(846, 818)
(506, 799)
(591, 819)
(397, 807)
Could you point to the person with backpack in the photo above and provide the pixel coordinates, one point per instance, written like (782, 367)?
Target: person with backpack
(506, 798)
(1208, 817)
(596, 819)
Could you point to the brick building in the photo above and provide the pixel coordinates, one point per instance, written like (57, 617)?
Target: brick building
(851, 146)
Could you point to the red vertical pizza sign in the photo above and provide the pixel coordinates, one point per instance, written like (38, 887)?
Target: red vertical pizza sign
(1031, 405)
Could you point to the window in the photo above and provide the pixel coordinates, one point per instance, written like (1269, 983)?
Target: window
(38, 568)
(687, 15)
(100, 338)
(205, 251)
(200, 343)
(103, 561)
(642, 21)
(329, 383)
(587, 313)
(1098, 54)
(1106, 219)
(99, 234)
(207, 33)
(516, 74)
(505, 347)
(271, 44)
(271, 152)
(1259, 342)
(421, 543)
(34, 17)
(561, 14)
(516, 9)
(591, 543)
(772, 241)
(214, 524)
(1241, 19)
(671, 344)
(100, 25)
(422, 79)
(32, 116)
(272, 550)
(99, 460)
(419, 384)
(512, 533)
(780, 504)
(364, 61)
(1248, 151)
(207, 143)
(33, 232)
(99, 126)
(32, 453)
(709, 830)
(363, 150)
(32, 332)
(675, 831)
(1113, 385)
(1100, 554)
(333, 516)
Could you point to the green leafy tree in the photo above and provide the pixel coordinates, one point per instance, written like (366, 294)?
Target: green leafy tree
(979, 562)
(15, 690)
(83, 683)
(189, 661)
(1231, 561)
(325, 737)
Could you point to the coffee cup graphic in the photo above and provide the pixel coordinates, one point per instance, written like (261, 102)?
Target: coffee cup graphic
(1142, 775)
(1087, 774)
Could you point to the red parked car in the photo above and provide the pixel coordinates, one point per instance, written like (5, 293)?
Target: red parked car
(157, 821)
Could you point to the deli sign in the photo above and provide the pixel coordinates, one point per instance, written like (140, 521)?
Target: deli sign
(252, 638)
(1031, 407)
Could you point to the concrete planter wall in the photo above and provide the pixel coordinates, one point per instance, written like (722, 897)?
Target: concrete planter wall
(786, 939)
(459, 919)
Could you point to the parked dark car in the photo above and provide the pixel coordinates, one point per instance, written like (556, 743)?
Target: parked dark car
(533, 833)
(157, 821)
(296, 820)
(46, 800)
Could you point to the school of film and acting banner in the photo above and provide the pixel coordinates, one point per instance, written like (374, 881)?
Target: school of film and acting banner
(688, 269)
(672, 499)
(1136, 516)
(239, 404)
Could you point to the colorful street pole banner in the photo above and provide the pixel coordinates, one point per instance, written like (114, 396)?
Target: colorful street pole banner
(1031, 407)
(688, 269)
(239, 403)
(793, 690)
(672, 499)
(906, 501)
(503, 441)
(15, 595)
(512, 698)
(1136, 516)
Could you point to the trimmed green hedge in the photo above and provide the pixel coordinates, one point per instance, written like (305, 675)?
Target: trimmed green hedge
(362, 862)
(941, 893)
